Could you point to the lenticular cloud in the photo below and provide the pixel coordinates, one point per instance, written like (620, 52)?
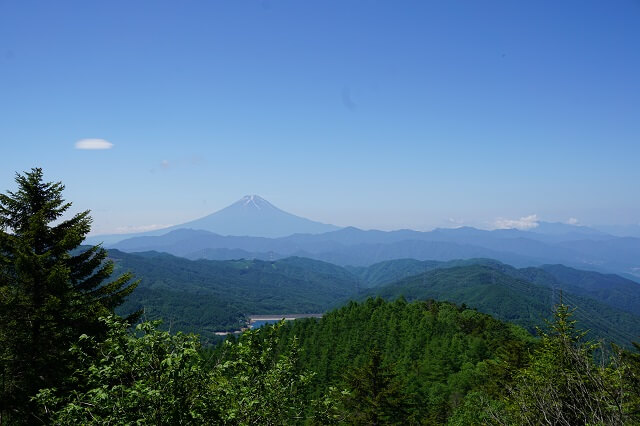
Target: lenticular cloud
(93, 144)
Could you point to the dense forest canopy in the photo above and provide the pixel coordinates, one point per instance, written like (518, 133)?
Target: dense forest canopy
(425, 363)
(437, 352)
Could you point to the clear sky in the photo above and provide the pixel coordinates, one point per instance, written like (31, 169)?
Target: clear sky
(377, 114)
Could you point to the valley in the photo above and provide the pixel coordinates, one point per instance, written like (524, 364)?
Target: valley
(206, 296)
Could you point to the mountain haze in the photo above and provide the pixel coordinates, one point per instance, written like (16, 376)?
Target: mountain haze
(253, 228)
(252, 216)
(578, 248)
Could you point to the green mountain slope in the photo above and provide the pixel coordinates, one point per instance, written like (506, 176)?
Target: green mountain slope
(610, 289)
(391, 270)
(207, 296)
(438, 352)
(513, 299)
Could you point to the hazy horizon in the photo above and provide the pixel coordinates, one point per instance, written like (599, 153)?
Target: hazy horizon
(366, 114)
(524, 224)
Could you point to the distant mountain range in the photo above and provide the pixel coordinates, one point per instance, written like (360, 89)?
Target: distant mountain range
(352, 246)
(621, 230)
(252, 228)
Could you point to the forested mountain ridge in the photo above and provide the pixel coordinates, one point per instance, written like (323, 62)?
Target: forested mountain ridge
(207, 296)
(433, 353)
(371, 363)
(512, 299)
(610, 289)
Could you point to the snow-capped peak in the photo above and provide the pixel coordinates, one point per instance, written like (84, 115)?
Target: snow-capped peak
(255, 201)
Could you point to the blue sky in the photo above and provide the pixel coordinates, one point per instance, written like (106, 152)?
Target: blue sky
(377, 114)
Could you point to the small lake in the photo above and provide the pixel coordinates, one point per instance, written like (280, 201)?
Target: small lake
(257, 321)
(261, 323)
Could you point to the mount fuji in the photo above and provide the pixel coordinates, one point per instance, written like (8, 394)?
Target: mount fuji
(251, 216)
(254, 216)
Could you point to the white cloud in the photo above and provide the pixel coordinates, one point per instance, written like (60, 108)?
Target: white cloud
(456, 223)
(524, 223)
(165, 164)
(93, 144)
(572, 221)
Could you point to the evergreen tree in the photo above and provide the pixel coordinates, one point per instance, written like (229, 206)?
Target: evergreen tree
(562, 384)
(375, 395)
(51, 291)
(630, 365)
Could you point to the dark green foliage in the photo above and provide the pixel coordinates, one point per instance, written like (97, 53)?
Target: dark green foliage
(610, 289)
(562, 385)
(440, 352)
(368, 364)
(499, 290)
(376, 395)
(206, 295)
(392, 270)
(48, 297)
(630, 361)
(374, 363)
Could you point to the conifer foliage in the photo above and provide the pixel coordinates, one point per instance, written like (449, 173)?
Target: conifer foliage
(376, 395)
(562, 385)
(51, 291)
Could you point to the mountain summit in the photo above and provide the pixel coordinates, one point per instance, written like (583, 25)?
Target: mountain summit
(254, 201)
(251, 216)
(254, 216)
